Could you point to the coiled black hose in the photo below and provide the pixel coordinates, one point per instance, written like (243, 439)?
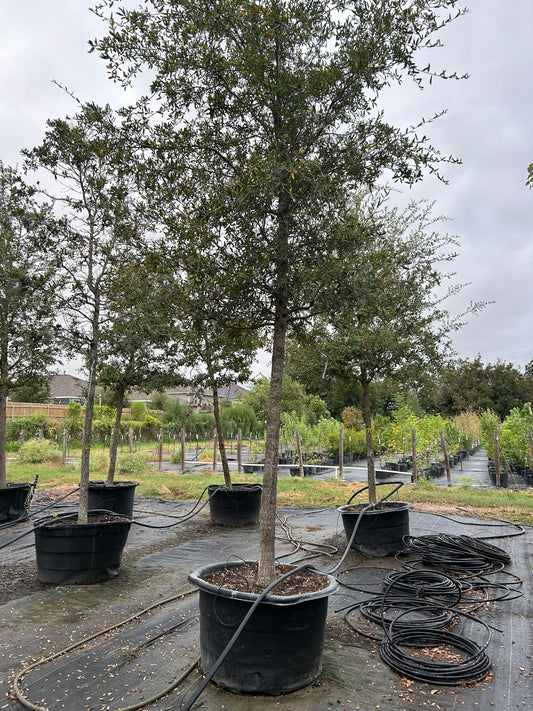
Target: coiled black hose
(451, 669)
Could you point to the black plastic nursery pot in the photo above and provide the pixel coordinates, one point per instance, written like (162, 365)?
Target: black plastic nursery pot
(280, 648)
(68, 552)
(381, 529)
(239, 506)
(14, 501)
(117, 497)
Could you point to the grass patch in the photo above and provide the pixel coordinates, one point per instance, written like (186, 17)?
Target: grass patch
(306, 492)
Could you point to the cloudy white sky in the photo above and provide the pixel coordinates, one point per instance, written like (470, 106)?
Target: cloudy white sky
(489, 125)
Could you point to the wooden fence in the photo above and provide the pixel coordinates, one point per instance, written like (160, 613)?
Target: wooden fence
(24, 409)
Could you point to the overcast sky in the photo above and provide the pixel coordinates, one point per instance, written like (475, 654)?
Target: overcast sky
(488, 126)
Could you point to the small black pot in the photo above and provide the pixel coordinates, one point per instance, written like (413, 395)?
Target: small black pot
(118, 497)
(14, 501)
(68, 552)
(238, 506)
(280, 648)
(380, 530)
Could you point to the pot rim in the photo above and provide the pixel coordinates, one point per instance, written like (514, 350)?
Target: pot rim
(50, 520)
(239, 485)
(196, 578)
(386, 507)
(115, 485)
(16, 485)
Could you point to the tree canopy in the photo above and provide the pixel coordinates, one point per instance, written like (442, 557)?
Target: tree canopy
(259, 121)
(28, 296)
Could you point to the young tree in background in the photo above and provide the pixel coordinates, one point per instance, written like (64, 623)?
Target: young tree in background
(391, 320)
(92, 190)
(29, 341)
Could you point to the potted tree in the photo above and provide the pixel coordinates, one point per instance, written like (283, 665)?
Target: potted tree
(28, 297)
(398, 328)
(140, 358)
(220, 357)
(266, 123)
(96, 202)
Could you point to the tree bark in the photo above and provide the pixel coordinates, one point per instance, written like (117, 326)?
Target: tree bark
(3, 428)
(370, 466)
(220, 437)
(113, 445)
(86, 440)
(267, 521)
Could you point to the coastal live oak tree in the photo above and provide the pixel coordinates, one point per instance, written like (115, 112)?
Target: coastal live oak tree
(391, 320)
(216, 347)
(85, 157)
(28, 284)
(138, 348)
(260, 119)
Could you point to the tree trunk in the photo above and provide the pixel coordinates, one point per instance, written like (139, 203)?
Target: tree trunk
(113, 445)
(3, 428)
(220, 437)
(267, 521)
(86, 440)
(370, 467)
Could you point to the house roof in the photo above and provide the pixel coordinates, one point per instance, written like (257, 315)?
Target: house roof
(64, 386)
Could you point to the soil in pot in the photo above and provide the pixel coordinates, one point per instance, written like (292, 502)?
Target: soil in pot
(380, 530)
(117, 497)
(14, 501)
(280, 648)
(239, 506)
(71, 553)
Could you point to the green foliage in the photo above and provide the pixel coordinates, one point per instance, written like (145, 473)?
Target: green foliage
(176, 415)
(472, 386)
(12, 447)
(514, 446)
(465, 482)
(29, 425)
(134, 465)
(37, 451)
(138, 410)
(239, 415)
(489, 422)
(201, 424)
(73, 422)
(293, 399)
(469, 427)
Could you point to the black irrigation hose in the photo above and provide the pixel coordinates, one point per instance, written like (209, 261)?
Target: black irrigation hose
(186, 517)
(455, 553)
(39, 523)
(475, 667)
(375, 611)
(452, 670)
(423, 584)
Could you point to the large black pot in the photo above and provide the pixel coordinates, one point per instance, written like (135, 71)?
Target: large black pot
(14, 501)
(71, 553)
(238, 506)
(117, 497)
(380, 530)
(280, 648)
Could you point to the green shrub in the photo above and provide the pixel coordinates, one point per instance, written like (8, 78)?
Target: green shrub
(37, 451)
(465, 482)
(135, 465)
(12, 447)
(29, 425)
(138, 411)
